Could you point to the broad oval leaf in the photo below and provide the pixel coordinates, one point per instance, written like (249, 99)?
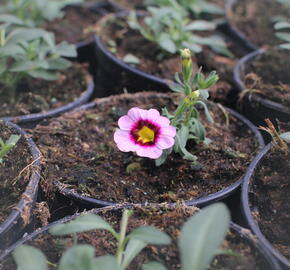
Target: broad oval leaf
(106, 262)
(29, 258)
(78, 257)
(285, 136)
(202, 235)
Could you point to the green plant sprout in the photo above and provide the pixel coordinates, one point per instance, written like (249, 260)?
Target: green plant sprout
(196, 7)
(7, 146)
(186, 117)
(280, 140)
(170, 28)
(199, 242)
(29, 52)
(282, 24)
(36, 12)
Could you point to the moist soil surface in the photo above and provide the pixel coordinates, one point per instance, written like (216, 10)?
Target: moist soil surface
(270, 199)
(75, 24)
(81, 154)
(13, 180)
(39, 96)
(162, 218)
(121, 41)
(268, 76)
(253, 19)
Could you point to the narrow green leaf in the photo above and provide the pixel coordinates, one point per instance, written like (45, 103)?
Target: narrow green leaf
(150, 235)
(285, 136)
(202, 235)
(133, 248)
(82, 223)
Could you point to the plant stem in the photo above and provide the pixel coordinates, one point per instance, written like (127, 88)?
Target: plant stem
(121, 242)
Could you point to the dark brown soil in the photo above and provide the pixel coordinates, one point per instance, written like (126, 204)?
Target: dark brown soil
(13, 180)
(268, 76)
(270, 199)
(164, 219)
(36, 96)
(92, 164)
(254, 20)
(74, 25)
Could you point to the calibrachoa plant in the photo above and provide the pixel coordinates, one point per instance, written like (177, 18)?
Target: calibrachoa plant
(151, 135)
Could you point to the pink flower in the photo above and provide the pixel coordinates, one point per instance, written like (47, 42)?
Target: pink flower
(144, 132)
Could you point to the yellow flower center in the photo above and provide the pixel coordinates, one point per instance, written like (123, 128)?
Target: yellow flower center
(146, 135)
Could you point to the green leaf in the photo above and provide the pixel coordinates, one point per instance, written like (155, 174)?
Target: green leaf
(150, 235)
(28, 65)
(58, 64)
(206, 112)
(163, 157)
(13, 139)
(78, 257)
(198, 129)
(29, 258)
(153, 266)
(10, 19)
(106, 262)
(285, 136)
(281, 25)
(200, 25)
(131, 59)
(285, 46)
(133, 248)
(166, 43)
(82, 223)
(283, 36)
(11, 50)
(43, 74)
(66, 50)
(202, 235)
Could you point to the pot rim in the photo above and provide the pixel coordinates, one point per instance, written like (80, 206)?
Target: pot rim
(72, 194)
(29, 196)
(242, 232)
(246, 210)
(238, 74)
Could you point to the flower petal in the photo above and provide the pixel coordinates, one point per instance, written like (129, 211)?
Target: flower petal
(163, 121)
(136, 114)
(125, 122)
(123, 141)
(165, 142)
(153, 115)
(168, 131)
(150, 152)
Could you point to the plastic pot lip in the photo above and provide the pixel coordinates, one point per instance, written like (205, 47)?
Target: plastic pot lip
(238, 71)
(243, 233)
(234, 31)
(72, 194)
(247, 211)
(29, 118)
(30, 194)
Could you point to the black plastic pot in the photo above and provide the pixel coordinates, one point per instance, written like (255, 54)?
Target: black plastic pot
(255, 107)
(269, 263)
(113, 75)
(94, 202)
(233, 31)
(14, 225)
(247, 212)
(84, 50)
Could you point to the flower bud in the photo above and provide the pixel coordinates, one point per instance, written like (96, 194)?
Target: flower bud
(185, 57)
